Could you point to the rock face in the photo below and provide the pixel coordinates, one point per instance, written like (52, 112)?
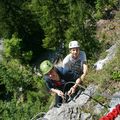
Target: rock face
(111, 53)
(73, 109)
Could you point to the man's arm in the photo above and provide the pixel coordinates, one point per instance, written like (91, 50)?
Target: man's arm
(84, 64)
(79, 80)
(66, 62)
(58, 92)
(73, 88)
(85, 69)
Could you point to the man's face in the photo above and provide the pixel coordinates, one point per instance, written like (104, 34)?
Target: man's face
(53, 74)
(75, 52)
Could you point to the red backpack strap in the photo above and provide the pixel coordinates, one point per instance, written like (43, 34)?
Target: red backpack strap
(113, 114)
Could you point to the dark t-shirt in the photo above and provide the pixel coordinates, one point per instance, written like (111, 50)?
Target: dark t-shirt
(65, 77)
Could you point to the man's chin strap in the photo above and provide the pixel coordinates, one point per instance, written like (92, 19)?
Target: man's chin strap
(113, 114)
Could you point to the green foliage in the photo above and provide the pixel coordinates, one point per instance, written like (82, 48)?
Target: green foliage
(99, 98)
(16, 18)
(27, 56)
(23, 111)
(61, 21)
(99, 7)
(12, 47)
(8, 10)
(82, 28)
(116, 75)
(18, 75)
(98, 14)
(104, 5)
(26, 92)
(53, 18)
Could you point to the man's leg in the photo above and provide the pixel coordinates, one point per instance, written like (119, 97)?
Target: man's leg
(58, 101)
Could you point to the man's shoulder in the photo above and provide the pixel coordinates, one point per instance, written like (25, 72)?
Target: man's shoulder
(67, 58)
(62, 70)
(83, 56)
(82, 52)
(46, 79)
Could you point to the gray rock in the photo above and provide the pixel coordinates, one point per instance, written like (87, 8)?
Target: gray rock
(111, 53)
(98, 109)
(115, 100)
(72, 110)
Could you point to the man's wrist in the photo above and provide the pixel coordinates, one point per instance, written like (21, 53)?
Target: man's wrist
(75, 86)
(82, 77)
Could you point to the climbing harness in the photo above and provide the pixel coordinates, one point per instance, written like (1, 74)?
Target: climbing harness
(68, 98)
(81, 86)
(113, 114)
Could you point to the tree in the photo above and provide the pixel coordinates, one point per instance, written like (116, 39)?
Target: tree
(12, 50)
(53, 19)
(82, 27)
(23, 95)
(16, 18)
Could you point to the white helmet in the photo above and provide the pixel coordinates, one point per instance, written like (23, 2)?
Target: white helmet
(73, 44)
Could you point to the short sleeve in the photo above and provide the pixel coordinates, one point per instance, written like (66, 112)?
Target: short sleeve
(83, 57)
(48, 83)
(66, 62)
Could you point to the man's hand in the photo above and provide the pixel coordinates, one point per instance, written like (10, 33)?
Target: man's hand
(71, 91)
(60, 93)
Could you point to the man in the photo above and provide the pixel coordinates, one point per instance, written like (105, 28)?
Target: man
(57, 78)
(76, 60)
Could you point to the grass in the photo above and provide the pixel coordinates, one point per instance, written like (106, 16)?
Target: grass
(107, 79)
